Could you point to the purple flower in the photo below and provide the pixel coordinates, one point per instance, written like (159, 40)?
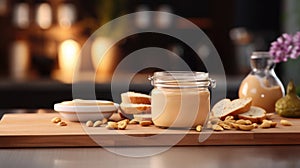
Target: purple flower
(285, 47)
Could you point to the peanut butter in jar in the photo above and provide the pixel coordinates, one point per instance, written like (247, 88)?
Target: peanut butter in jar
(180, 99)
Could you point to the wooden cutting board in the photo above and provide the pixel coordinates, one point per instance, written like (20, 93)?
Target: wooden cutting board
(37, 130)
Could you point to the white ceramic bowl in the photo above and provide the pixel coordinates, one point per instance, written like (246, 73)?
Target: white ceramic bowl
(85, 110)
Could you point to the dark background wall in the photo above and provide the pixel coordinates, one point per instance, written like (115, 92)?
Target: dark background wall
(216, 18)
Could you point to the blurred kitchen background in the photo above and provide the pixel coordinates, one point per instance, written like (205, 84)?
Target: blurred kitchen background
(41, 38)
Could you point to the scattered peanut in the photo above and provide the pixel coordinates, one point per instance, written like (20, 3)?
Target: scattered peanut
(122, 125)
(97, 123)
(266, 124)
(133, 121)
(273, 124)
(236, 126)
(56, 120)
(216, 127)
(199, 128)
(243, 122)
(225, 126)
(229, 118)
(145, 123)
(62, 123)
(112, 125)
(255, 125)
(89, 123)
(246, 127)
(125, 120)
(248, 122)
(230, 122)
(286, 123)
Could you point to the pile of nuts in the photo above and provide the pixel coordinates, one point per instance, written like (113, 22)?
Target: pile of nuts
(120, 125)
(229, 123)
(214, 123)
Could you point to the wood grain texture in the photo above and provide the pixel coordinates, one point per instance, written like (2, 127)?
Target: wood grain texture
(37, 130)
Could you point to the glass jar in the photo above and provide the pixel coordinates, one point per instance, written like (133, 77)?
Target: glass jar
(180, 99)
(262, 84)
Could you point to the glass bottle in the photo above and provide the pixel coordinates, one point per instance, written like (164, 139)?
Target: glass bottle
(262, 84)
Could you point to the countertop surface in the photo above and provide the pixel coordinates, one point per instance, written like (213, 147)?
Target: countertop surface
(212, 156)
(204, 156)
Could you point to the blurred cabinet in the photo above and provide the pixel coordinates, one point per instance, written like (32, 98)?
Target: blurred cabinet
(42, 25)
